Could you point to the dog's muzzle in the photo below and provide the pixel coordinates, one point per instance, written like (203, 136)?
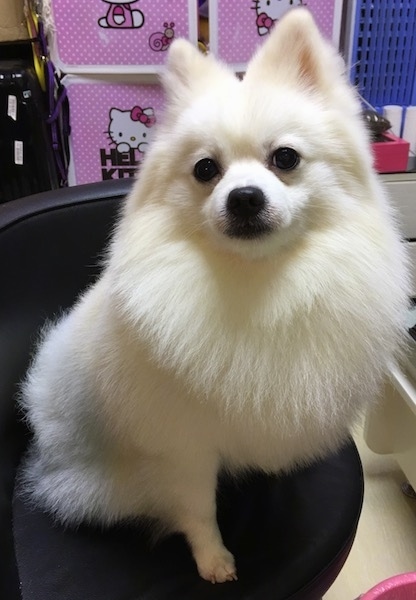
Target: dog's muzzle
(246, 213)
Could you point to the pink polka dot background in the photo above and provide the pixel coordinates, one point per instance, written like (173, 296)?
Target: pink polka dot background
(82, 42)
(237, 31)
(90, 105)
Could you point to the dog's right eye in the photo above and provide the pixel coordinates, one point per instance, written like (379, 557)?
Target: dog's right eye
(285, 159)
(206, 169)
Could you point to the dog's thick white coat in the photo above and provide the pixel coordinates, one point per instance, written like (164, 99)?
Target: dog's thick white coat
(196, 350)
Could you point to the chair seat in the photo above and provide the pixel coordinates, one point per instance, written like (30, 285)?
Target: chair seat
(290, 535)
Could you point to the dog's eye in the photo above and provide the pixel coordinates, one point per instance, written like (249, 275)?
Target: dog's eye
(206, 169)
(285, 159)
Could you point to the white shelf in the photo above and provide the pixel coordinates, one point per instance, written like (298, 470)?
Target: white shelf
(402, 190)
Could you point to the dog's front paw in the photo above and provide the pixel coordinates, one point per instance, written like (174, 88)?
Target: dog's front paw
(217, 567)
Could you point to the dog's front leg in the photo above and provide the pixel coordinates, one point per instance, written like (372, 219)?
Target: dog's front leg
(196, 518)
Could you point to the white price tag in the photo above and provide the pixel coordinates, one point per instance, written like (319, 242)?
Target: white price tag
(12, 107)
(18, 152)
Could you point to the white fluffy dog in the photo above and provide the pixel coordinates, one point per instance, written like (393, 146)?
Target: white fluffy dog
(253, 296)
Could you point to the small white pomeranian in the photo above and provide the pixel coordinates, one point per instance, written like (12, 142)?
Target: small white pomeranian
(253, 297)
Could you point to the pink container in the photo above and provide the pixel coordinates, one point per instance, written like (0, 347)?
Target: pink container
(119, 36)
(112, 124)
(391, 156)
(400, 587)
(237, 28)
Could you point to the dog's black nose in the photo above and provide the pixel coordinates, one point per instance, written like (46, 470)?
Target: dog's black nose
(246, 201)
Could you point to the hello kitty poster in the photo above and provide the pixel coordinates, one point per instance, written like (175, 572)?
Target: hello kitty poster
(112, 126)
(119, 36)
(237, 28)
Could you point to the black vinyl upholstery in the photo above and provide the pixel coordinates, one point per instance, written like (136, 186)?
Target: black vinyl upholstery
(290, 534)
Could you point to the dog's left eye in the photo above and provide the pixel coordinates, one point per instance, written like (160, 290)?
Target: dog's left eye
(206, 169)
(285, 159)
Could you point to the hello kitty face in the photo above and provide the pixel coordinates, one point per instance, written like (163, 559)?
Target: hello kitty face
(269, 11)
(131, 128)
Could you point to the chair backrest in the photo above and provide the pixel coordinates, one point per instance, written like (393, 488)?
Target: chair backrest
(51, 247)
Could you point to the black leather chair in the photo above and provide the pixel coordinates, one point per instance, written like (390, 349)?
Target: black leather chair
(290, 534)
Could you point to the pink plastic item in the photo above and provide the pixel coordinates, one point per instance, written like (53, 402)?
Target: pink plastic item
(119, 36)
(391, 155)
(237, 28)
(112, 124)
(400, 587)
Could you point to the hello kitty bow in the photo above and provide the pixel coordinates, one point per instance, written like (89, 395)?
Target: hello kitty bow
(263, 20)
(144, 115)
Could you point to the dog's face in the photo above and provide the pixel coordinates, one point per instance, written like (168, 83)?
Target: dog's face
(252, 163)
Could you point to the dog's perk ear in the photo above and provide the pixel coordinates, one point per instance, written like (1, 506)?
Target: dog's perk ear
(185, 63)
(188, 72)
(184, 69)
(296, 52)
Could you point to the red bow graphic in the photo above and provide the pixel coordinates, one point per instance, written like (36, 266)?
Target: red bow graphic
(138, 114)
(263, 20)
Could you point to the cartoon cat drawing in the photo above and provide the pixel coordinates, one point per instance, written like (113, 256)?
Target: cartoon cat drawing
(120, 15)
(131, 128)
(270, 11)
